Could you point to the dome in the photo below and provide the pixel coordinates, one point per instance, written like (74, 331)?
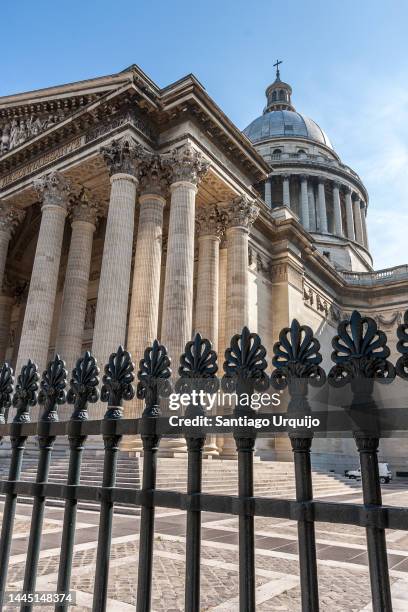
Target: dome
(285, 123)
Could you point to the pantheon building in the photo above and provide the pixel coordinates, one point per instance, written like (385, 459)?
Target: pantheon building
(130, 211)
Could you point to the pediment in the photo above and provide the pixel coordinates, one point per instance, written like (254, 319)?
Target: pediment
(27, 115)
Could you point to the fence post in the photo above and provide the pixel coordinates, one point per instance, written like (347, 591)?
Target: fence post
(154, 380)
(52, 393)
(197, 372)
(296, 359)
(244, 368)
(17, 444)
(402, 347)
(360, 356)
(117, 386)
(83, 389)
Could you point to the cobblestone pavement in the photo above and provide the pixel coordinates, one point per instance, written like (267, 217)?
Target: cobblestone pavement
(341, 549)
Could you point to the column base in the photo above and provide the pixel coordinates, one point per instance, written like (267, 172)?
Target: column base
(210, 448)
(229, 450)
(172, 447)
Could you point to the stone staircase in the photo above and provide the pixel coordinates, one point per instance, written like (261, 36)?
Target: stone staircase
(271, 479)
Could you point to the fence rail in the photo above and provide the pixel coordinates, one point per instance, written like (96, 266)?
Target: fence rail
(360, 355)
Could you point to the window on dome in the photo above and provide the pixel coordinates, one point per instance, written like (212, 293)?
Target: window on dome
(273, 96)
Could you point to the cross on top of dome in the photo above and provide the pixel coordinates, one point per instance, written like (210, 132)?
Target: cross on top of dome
(278, 95)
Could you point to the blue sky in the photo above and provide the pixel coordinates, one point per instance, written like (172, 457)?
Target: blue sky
(346, 60)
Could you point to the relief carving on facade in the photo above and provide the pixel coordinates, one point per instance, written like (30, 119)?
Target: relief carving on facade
(90, 314)
(17, 131)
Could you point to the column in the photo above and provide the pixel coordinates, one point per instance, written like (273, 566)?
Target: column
(75, 295)
(10, 217)
(338, 224)
(358, 220)
(188, 166)
(144, 305)
(209, 229)
(286, 190)
(268, 192)
(241, 215)
(349, 215)
(7, 301)
(304, 203)
(322, 209)
(312, 207)
(222, 301)
(54, 191)
(363, 210)
(122, 157)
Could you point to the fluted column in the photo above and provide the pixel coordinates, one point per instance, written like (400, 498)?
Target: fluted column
(349, 215)
(268, 192)
(75, 294)
(338, 223)
(35, 336)
(144, 305)
(10, 217)
(240, 217)
(209, 229)
(286, 190)
(358, 220)
(7, 301)
(312, 207)
(304, 203)
(363, 210)
(322, 214)
(187, 166)
(122, 157)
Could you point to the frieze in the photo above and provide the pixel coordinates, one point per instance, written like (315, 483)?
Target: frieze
(41, 161)
(320, 304)
(109, 124)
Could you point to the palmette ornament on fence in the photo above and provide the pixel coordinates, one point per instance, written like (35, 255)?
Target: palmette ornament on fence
(402, 347)
(154, 378)
(245, 364)
(117, 382)
(52, 389)
(83, 386)
(6, 389)
(360, 352)
(297, 356)
(198, 367)
(26, 394)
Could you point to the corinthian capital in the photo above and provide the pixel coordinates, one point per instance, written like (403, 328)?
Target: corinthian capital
(154, 174)
(123, 156)
(53, 189)
(242, 212)
(188, 164)
(10, 217)
(84, 208)
(210, 221)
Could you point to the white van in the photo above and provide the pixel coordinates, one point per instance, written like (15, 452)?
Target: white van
(383, 468)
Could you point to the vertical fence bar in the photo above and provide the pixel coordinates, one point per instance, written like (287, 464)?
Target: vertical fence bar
(360, 354)
(154, 374)
(83, 389)
(244, 368)
(197, 371)
(24, 396)
(117, 386)
(296, 361)
(52, 393)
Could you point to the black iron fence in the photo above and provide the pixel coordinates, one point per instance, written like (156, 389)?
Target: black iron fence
(360, 356)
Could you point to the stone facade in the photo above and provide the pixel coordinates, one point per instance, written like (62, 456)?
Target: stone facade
(150, 215)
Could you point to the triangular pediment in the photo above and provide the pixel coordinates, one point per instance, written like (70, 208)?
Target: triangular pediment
(26, 115)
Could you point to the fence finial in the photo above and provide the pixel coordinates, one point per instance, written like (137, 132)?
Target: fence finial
(245, 363)
(26, 392)
(117, 382)
(297, 356)
(52, 388)
(83, 386)
(198, 367)
(360, 352)
(154, 378)
(402, 347)
(6, 389)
